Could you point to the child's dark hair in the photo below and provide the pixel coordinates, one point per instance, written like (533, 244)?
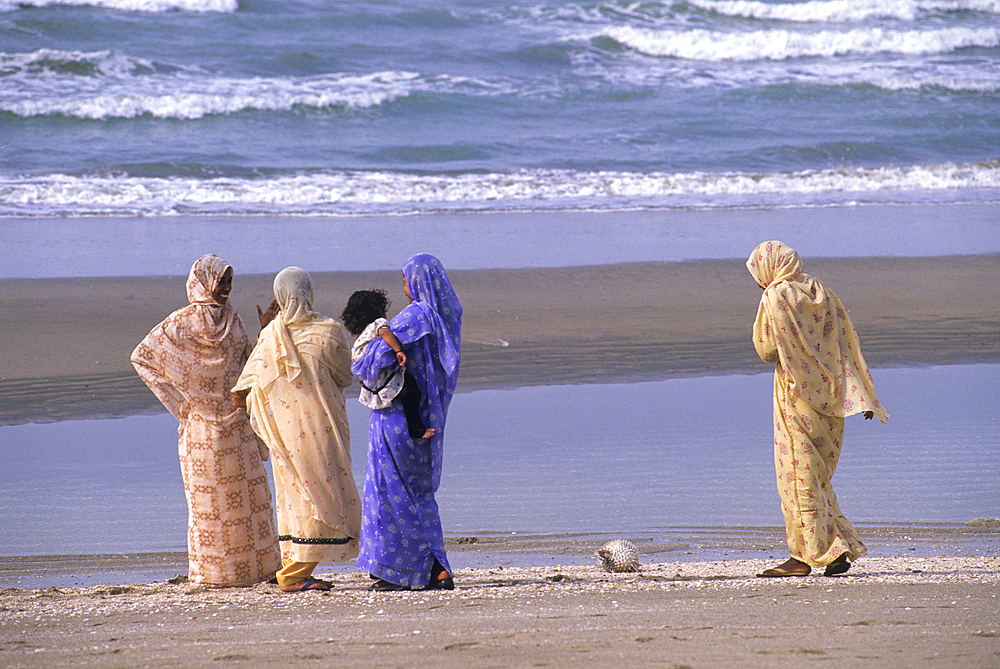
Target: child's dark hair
(363, 307)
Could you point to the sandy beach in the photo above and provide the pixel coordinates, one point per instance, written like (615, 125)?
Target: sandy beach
(887, 612)
(65, 343)
(922, 600)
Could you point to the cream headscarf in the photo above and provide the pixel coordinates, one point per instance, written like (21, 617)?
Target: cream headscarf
(803, 326)
(294, 292)
(297, 331)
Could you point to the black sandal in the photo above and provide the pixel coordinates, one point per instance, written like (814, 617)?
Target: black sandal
(381, 585)
(838, 566)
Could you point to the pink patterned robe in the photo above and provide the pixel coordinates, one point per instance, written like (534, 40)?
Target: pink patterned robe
(190, 361)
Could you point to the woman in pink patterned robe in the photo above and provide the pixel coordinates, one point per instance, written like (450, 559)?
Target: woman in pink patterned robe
(190, 361)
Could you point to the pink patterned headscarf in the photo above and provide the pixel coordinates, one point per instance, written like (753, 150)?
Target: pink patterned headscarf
(192, 358)
(210, 321)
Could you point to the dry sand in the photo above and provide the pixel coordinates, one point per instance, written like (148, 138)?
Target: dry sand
(886, 613)
(65, 343)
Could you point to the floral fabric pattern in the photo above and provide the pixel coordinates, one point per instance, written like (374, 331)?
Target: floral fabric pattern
(820, 377)
(802, 325)
(296, 378)
(401, 534)
(806, 450)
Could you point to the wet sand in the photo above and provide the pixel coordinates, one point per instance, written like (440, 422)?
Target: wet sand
(65, 343)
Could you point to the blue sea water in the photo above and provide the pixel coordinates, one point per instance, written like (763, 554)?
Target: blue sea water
(136, 135)
(309, 107)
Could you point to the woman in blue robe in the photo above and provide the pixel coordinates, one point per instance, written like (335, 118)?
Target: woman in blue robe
(402, 543)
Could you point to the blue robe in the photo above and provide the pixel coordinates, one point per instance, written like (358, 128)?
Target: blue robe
(401, 534)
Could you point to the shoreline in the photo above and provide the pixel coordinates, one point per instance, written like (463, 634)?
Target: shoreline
(501, 549)
(165, 245)
(65, 343)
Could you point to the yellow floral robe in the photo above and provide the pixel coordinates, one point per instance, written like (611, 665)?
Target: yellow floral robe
(820, 378)
(296, 378)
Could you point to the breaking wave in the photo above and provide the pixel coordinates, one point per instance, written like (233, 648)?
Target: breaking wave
(358, 193)
(844, 10)
(707, 45)
(107, 84)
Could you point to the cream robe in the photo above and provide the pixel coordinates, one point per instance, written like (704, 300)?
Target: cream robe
(296, 378)
(820, 377)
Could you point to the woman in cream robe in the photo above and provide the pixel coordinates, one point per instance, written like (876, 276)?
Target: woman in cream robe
(190, 361)
(294, 385)
(820, 377)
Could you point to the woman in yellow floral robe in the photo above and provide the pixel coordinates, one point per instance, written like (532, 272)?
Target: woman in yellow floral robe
(820, 377)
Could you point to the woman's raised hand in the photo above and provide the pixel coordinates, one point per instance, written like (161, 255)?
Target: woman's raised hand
(267, 316)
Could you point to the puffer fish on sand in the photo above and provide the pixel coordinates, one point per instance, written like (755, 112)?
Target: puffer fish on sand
(619, 555)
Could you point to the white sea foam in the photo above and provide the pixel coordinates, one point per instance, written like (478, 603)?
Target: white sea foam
(152, 6)
(382, 192)
(899, 74)
(113, 85)
(809, 11)
(707, 45)
(491, 341)
(50, 63)
(844, 10)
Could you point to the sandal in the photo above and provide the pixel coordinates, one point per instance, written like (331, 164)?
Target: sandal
(309, 584)
(381, 585)
(442, 584)
(838, 566)
(790, 567)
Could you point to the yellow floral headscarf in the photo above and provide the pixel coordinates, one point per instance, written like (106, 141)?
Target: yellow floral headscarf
(802, 326)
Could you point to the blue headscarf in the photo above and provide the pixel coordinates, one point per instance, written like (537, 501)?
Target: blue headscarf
(434, 297)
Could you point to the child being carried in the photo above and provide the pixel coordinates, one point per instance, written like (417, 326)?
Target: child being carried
(365, 317)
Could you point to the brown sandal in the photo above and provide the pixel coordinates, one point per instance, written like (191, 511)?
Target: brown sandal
(308, 584)
(790, 567)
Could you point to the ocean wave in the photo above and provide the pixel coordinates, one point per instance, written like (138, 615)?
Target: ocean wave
(969, 82)
(149, 6)
(357, 193)
(961, 81)
(938, 75)
(848, 11)
(106, 84)
(706, 45)
(49, 63)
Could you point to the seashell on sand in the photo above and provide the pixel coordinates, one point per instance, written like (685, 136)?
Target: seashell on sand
(619, 555)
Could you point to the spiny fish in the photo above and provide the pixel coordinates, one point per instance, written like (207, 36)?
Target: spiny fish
(619, 555)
